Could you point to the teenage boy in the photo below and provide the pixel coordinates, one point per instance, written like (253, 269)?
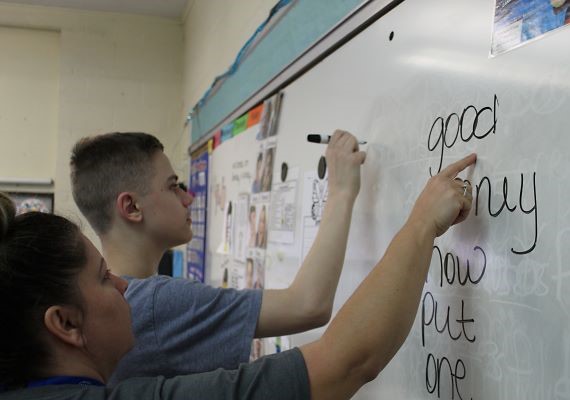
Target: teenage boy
(126, 188)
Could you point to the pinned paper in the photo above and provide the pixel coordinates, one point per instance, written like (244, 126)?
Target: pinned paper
(240, 125)
(254, 116)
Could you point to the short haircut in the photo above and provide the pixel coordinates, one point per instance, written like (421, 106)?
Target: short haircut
(104, 166)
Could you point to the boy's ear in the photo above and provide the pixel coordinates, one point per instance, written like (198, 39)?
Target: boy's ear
(128, 207)
(66, 324)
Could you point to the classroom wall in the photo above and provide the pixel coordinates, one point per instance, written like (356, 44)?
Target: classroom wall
(129, 72)
(117, 72)
(29, 102)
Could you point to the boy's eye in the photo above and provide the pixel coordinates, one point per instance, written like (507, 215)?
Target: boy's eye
(182, 186)
(107, 275)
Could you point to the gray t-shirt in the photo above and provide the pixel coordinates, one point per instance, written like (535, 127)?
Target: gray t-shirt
(280, 376)
(185, 327)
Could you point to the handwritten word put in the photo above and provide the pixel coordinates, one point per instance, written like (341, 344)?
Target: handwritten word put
(495, 211)
(430, 315)
(436, 367)
(472, 123)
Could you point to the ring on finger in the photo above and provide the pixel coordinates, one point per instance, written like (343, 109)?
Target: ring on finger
(465, 186)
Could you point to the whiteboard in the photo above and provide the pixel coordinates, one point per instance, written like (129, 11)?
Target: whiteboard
(514, 341)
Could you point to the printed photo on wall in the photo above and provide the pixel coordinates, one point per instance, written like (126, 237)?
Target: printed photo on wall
(241, 227)
(282, 222)
(257, 349)
(259, 275)
(252, 230)
(254, 271)
(226, 245)
(263, 175)
(249, 271)
(522, 21)
(269, 117)
(267, 173)
(256, 185)
(261, 231)
(27, 202)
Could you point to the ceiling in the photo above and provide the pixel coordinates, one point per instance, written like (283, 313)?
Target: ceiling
(161, 8)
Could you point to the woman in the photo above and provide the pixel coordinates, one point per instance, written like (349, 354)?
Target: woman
(70, 324)
(66, 323)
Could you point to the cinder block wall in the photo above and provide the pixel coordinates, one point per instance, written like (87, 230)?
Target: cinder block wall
(117, 72)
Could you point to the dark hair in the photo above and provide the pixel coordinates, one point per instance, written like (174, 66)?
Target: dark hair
(104, 166)
(40, 258)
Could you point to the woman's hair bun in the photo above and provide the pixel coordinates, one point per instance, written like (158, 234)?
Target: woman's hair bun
(7, 214)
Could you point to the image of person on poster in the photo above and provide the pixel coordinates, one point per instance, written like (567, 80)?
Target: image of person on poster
(256, 186)
(252, 230)
(256, 349)
(267, 175)
(249, 273)
(261, 241)
(259, 275)
(269, 118)
(562, 6)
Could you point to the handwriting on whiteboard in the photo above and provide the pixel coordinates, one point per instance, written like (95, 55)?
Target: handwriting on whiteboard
(516, 195)
(477, 124)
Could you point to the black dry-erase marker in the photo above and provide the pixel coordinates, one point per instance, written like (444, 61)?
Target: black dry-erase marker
(323, 139)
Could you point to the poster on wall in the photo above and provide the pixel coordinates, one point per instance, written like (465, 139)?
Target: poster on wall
(241, 227)
(284, 209)
(315, 194)
(241, 173)
(27, 202)
(196, 249)
(517, 22)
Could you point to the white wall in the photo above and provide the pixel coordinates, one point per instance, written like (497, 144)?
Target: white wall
(29, 102)
(117, 72)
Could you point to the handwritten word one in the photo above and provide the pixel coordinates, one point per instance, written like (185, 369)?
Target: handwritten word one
(433, 380)
(445, 132)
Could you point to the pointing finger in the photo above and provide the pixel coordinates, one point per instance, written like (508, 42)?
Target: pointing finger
(453, 169)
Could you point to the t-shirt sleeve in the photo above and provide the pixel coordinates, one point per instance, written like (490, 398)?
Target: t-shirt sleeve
(203, 326)
(184, 327)
(281, 376)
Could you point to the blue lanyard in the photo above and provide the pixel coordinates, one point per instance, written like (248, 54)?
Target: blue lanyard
(65, 380)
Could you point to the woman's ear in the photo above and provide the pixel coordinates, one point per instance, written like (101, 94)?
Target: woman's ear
(128, 207)
(66, 324)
